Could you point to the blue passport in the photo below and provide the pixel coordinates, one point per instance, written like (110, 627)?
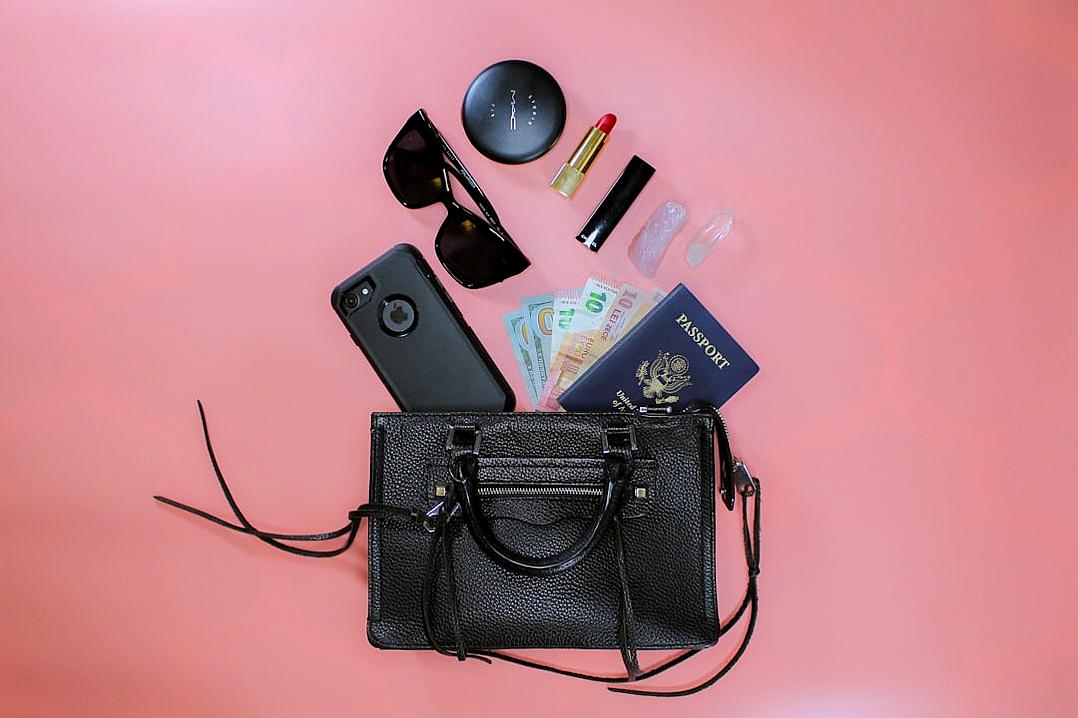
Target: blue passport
(675, 355)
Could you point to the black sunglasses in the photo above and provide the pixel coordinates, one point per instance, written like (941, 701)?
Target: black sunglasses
(417, 165)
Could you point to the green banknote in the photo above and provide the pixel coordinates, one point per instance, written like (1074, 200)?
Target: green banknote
(516, 326)
(539, 313)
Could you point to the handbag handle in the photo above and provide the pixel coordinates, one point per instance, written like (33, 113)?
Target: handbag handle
(464, 466)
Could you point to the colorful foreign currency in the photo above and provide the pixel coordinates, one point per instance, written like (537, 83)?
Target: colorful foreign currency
(558, 335)
(595, 300)
(565, 301)
(517, 328)
(629, 301)
(654, 297)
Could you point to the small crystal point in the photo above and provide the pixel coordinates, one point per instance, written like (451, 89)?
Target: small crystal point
(709, 236)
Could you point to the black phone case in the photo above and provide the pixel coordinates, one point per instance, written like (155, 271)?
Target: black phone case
(436, 365)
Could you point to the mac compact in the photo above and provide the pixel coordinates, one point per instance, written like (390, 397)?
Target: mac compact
(513, 112)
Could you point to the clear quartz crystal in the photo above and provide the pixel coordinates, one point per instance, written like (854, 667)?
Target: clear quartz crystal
(716, 230)
(650, 243)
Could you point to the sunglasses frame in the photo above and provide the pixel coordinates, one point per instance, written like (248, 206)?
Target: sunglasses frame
(451, 165)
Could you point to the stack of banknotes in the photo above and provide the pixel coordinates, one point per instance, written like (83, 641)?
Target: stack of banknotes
(557, 336)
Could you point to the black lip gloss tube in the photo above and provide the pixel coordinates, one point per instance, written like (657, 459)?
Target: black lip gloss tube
(616, 203)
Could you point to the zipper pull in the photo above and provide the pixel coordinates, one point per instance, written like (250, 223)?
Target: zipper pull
(655, 410)
(746, 484)
(431, 517)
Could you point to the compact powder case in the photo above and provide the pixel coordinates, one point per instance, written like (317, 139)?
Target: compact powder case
(513, 112)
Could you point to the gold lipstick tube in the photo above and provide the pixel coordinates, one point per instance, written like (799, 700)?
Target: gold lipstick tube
(572, 172)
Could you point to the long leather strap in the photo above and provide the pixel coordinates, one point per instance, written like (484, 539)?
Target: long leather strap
(747, 487)
(349, 531)
(626, 619)
(441, 556)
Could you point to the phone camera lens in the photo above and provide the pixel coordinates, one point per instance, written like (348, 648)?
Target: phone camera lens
(351, 301)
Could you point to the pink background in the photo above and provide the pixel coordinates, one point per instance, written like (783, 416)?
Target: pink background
(183, 183)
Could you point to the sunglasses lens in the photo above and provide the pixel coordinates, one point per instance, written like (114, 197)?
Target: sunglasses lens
(474, 253)
(414, 170)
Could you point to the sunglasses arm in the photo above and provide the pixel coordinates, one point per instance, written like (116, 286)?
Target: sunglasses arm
(458, 170)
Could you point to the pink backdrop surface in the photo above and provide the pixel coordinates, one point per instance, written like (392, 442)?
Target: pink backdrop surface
(183, 183)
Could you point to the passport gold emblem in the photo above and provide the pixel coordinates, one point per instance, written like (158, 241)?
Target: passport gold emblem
(664, 376)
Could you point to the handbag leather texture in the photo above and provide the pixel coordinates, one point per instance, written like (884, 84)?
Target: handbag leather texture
(539, 482)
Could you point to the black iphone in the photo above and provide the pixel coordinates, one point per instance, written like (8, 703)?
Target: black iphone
(413, 335)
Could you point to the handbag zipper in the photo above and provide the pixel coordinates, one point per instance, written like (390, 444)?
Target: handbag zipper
(542, 490)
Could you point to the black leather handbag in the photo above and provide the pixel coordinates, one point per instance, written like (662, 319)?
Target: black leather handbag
(495, 531)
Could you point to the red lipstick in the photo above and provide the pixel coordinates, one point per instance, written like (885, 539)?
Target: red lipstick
(572, 172)
(606, 123)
